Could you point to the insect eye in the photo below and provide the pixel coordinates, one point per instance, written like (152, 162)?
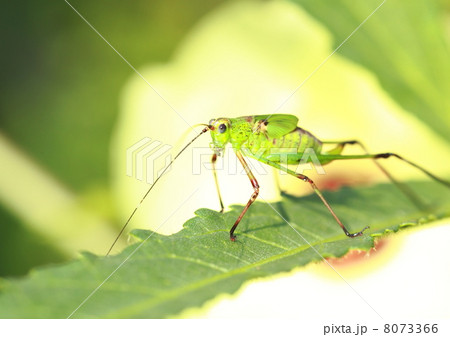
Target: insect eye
(222, 128)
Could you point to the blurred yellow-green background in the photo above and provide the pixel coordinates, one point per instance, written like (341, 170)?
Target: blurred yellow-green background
(70, 105)
(60, 93)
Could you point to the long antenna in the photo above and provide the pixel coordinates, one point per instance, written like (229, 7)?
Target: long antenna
(151, 187)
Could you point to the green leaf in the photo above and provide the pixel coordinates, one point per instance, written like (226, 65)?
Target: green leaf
(403, 44)
(168, 274)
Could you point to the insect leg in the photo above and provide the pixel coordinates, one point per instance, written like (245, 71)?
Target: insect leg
(317, 191)
(213, 162)
(330, 157)
(252, 197)
(405, 189)
(428, 173)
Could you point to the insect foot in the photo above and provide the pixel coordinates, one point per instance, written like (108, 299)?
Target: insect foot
(353, 235)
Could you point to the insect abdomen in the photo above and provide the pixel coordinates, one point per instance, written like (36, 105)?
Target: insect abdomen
(295, 142)
(308, 140)
(298, 139)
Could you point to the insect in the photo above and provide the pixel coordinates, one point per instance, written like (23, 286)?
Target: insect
(268, 138)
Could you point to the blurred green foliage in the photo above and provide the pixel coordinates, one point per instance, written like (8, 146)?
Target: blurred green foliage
(60, 81)
(404, 45)
(60, 86)
(22, 249)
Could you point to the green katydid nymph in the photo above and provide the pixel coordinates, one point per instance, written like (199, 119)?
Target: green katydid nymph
(271, 139)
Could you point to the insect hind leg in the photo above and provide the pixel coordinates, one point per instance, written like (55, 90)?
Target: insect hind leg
(327, 205)
(340, 146)
(428, 173)
(317, 191)
(405, 189)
